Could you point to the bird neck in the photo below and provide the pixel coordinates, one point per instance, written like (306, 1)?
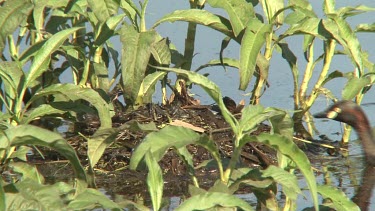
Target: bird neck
(365, 133)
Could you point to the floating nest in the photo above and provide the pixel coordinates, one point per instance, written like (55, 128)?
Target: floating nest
(112, 171)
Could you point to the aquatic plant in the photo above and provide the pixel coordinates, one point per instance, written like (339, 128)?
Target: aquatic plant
(41, 40)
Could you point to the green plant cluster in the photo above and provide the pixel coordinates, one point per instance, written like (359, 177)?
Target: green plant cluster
(42, 39)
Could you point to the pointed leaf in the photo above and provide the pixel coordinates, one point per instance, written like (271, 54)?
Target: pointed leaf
(209, 200)
(12, 77)
(281, 122)
(107, 29)
(288, 148)
(342, 32)
(29, 134)
(31, 195)
(365, 28)
(98, 143)
(309, 26)
(75, 92)
(149, 84)
(338, 198)
(3, 204)
(90, 199)
(354, 86)
(155, 181)
(198, 16)
(159, 142)
(161, 52)
(21, 153)
(42, 57)
(28, 171)
(252, 41)
(225, 61)
(42, 110)
(40, 6)
(136, 53)
(239, 11)
(270, 8)
(12, 14)
(103, 9)
(288, 181)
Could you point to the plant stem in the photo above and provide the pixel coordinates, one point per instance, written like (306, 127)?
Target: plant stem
(143, 15)
(330, 50)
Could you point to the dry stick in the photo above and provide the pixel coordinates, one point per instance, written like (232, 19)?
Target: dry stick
(317, 144)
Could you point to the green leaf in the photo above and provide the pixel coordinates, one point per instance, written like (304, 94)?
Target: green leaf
(270, 8)
(187, 158)
(38, 11)
(28, 171)
(239, 11)
(332, 75)
(365, 28)
(102, 138)
(339, 199)
(209, 200)
(32, 135)
(103, 9)
(252, 41)
(21, 153)
(252, 116)
(107, 29)
(149, 83)
(98, 143)
(12, 14)
(159, 142)
(250, 177)
(302, 9)
(131, 10)
(42, 57)
(226, 62)
(136, 53)
(311, 26)
(31, 51)
(12, 77)
(354, 86)
(155, 181)
(220, 187)
(341, 31)
(161, 52)
(288, 148)
(281, 122)
(289, 56)
(75, 92)
(42, 110)
(92, 199)
(3, 204)
(30, 195)
(352, 11)
(288, 181)
(101, 73)
(202, 17)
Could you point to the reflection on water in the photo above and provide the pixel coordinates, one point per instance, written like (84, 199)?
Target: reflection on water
(348, 175)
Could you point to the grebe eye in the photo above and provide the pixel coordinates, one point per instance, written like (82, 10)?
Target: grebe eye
(337, 110)
(332, 114)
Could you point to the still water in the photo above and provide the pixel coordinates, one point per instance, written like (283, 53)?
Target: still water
(344, 173)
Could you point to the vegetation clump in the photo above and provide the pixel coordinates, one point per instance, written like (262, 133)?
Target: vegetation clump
(40, 41)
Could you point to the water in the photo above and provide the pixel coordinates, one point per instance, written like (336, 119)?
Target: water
(279, 93)
(345, 173)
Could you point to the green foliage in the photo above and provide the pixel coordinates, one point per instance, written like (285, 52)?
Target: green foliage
(213, 200)
(75, 37)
